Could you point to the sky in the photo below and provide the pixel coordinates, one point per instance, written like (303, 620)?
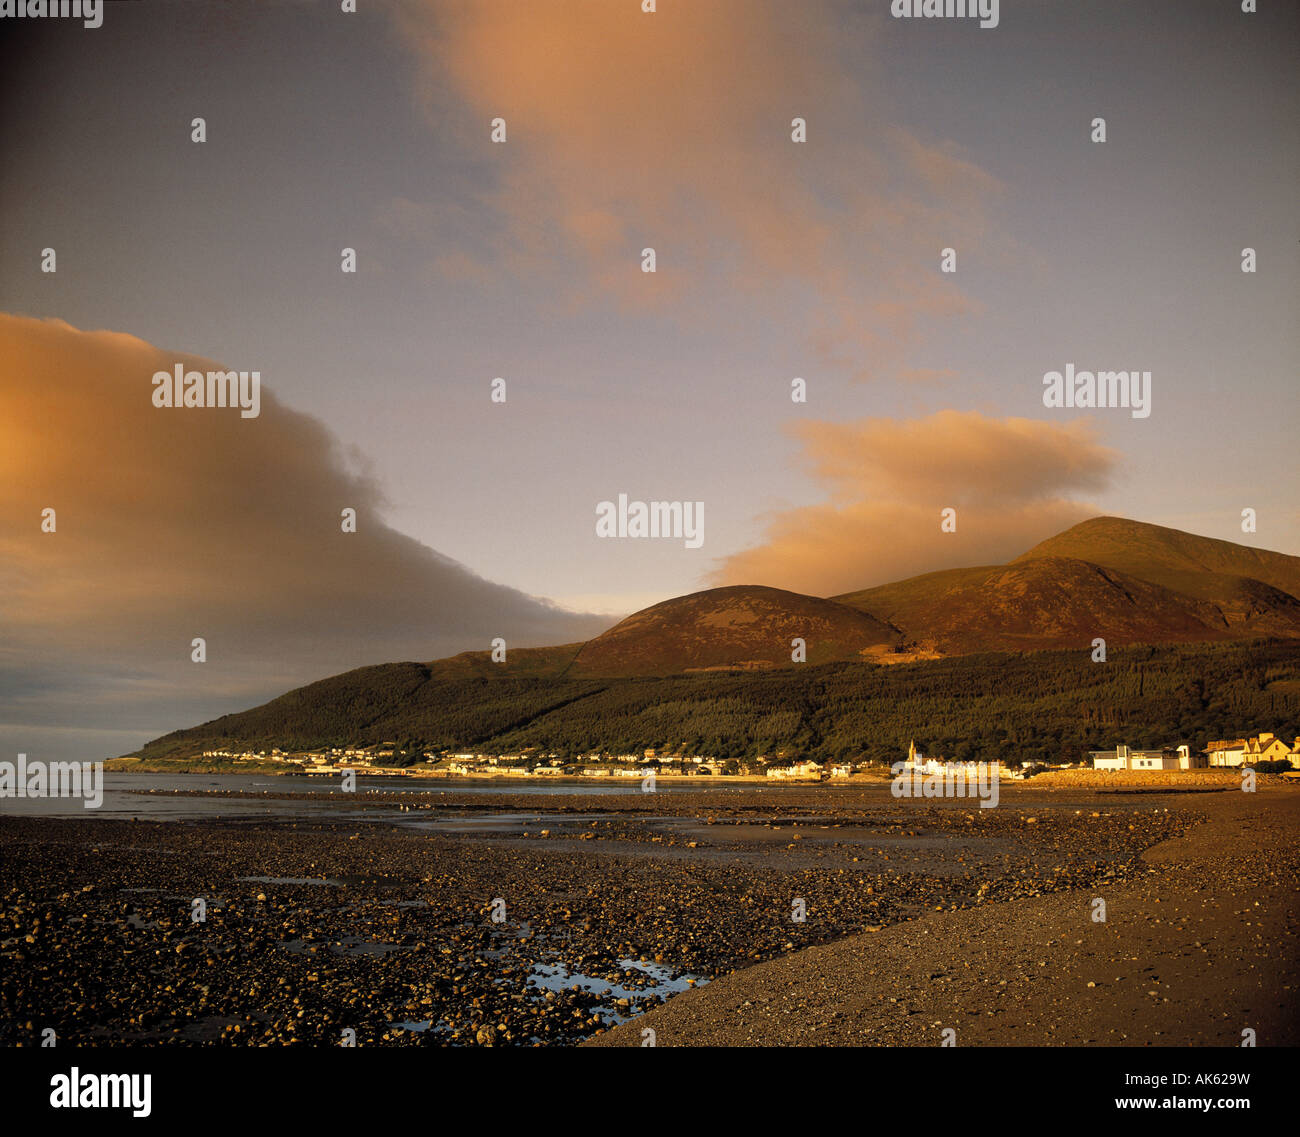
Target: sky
(522, 260)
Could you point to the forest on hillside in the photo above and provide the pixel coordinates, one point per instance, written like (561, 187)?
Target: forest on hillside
(1042, 706)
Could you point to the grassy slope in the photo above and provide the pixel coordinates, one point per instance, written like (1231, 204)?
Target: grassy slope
(1045, 702)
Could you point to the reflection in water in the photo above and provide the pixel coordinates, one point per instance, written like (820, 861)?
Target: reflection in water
(163, 797)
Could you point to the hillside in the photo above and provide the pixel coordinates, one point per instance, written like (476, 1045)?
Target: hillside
(1169, 557)
(744, 627)
(712, 671)
(1045, 704)
(1256, 591)
(1048, 602)
(1125, 581)
(520, 662)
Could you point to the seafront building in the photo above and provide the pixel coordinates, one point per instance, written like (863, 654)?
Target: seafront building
(1263, 747)
(796, 771)
(1260, 748)
(918, 764)
(1166, 758)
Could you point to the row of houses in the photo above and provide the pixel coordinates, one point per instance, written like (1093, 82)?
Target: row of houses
(918, 764)
(253, 755)
(1263, 747)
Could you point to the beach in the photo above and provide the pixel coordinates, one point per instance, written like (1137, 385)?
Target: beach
(802, 915)
(1198, 946)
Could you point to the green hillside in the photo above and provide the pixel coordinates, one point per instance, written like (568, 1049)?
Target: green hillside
(1044, 705)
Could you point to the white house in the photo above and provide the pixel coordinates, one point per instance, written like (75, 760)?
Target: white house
(1263, 747)
(918, 763)
(1125, 758)
(804, 769)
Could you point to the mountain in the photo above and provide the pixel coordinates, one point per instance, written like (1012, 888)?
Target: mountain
(1256, 591)
(1048, 704)
(1170, 557)
(520, 662)
(713, 669)
(1123, 581)
(1050, 602)
(744, 627)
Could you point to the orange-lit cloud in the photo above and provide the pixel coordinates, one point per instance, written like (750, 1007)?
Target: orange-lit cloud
(1012, 482)
(673, 131)
(173, 524)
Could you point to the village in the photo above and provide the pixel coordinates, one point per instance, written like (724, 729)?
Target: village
(1260, 748)
(379, 760)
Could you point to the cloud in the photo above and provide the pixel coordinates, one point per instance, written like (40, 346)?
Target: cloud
(173, 524)
(1012, 482)
(930, 375)
(672, 130)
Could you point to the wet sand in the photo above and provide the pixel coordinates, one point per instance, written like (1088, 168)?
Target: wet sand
(1198, 945)
(382, 922)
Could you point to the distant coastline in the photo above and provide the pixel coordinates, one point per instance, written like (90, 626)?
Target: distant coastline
(1047, 780)
(282, 770)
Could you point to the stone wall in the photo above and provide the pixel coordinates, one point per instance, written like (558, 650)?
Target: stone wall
(1101, 779)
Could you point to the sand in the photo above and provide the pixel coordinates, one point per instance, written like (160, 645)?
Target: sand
(1195, 950)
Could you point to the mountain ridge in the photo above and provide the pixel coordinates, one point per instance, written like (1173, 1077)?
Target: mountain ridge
(1108, 577)
(1128, 583)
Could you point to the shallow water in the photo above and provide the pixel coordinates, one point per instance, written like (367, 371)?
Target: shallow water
(662, 982)
(151, 795)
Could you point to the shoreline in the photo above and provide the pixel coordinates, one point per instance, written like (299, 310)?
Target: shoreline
(459, 779)
(1211, 923)
(378, 917)
(1074, 779)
